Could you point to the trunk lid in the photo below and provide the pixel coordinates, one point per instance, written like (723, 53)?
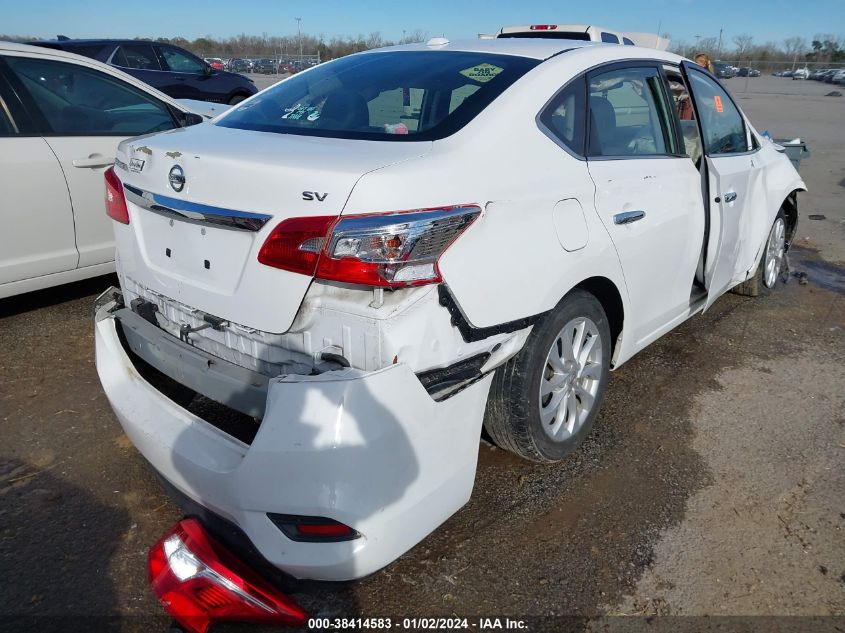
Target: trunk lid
(238, 185)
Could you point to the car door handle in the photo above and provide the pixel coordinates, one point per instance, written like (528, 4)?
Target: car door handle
(94, 160)
(626, 217)
(730, 196)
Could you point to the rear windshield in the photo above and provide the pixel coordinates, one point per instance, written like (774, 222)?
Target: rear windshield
(396, 96)
(579, 36)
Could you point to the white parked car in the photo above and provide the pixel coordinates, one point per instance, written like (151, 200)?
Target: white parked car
(61, 118)
(327, 291)
(801, 73)
(576, 32)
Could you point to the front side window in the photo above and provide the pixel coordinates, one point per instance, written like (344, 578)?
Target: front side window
(79, 101)
(628, 114)
(397, 96)
(721, 122)
(180, 62)
(564, 116)
(138, 56)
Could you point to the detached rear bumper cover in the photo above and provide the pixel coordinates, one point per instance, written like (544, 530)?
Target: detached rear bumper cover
(371, 450)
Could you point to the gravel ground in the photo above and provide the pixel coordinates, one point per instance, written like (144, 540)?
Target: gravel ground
(712, 484)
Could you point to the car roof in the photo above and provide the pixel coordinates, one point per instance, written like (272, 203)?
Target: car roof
(98, 40)
(528, 47)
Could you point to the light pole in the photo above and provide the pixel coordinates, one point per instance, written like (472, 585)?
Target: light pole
(299, 33)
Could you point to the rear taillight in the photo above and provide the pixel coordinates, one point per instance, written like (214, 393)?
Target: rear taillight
(295, 244)
(115, 200)
(387, 250)
(199, 582)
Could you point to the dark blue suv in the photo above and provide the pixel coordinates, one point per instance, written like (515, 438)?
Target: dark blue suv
(171, 69)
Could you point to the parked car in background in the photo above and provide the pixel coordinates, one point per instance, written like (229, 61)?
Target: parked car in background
(287, 68)
(746, 71)
(724, 70)
(264, 66)
(801, 73)
(582, 32)
(360, 285)
(838, 77)
(61, 118)
(238, 65)
(215, 62)
(172, 70)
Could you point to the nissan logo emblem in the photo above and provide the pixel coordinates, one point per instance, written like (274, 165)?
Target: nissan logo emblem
(176, 178)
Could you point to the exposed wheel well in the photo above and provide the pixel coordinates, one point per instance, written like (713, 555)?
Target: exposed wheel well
(608, 295)
(790, 210)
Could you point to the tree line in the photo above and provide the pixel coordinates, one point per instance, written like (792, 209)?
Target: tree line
(275, 46)
(823, 48)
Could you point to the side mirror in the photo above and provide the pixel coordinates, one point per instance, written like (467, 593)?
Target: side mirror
(188, 119)
(207, 70)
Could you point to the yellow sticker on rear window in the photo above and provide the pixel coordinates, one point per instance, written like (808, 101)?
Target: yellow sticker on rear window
(482, 73)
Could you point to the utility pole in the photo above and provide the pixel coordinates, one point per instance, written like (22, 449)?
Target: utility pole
(299, 32)
(719, 48)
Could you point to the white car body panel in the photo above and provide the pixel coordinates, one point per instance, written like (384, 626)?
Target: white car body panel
(367, 445)
(28, 250)
(67, 174)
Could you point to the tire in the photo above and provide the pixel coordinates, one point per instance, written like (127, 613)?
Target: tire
(525, 390)
(236, 99)
(771, 263)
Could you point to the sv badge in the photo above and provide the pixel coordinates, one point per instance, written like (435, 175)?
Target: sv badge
(313, 195)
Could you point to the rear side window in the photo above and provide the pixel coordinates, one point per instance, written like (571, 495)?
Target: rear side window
(627, 42)
(628, 114)
(74, 100)
(565, 116)
(138, 56)
(397, 96)
(721, 122)
(610, 38)
(578, 36)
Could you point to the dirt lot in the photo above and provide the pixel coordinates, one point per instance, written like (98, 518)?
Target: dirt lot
(713, 483)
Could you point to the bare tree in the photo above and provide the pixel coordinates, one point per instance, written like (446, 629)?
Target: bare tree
(794, 47)
(743, 43)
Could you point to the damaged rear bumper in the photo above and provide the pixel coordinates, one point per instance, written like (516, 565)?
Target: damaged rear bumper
(371, 450)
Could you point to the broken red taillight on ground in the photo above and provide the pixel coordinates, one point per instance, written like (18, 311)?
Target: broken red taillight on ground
(200, 582)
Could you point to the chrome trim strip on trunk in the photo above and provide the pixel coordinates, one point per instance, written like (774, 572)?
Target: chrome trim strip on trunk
(194, 211)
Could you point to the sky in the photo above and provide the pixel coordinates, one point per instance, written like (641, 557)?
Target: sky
(772, 20)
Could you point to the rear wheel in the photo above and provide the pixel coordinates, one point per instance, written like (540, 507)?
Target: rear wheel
(236, 99)
(543, 402)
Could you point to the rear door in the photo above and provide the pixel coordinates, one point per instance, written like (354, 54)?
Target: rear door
(648, 193)
(140, 60)
(729, 167)
(37, 237)
(83, 114)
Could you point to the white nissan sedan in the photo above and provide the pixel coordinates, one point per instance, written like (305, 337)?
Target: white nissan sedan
(326, 291)
(61, 118)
